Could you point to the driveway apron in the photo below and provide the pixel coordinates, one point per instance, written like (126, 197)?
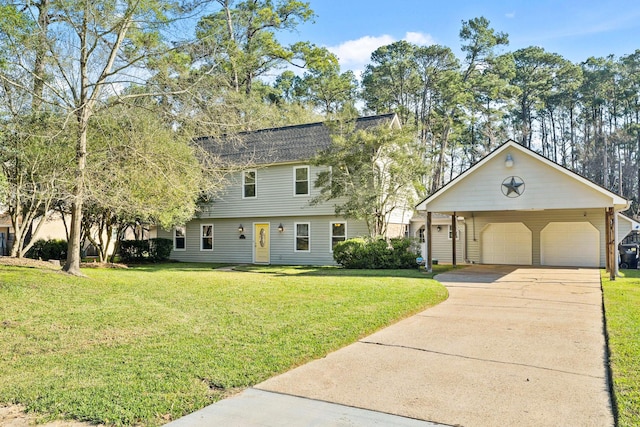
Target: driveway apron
(511, 346)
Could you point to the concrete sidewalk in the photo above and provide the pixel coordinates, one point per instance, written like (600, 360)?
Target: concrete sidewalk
(511, 346)
(261, 408)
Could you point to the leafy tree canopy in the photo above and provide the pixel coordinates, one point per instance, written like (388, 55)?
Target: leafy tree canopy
(372, 173)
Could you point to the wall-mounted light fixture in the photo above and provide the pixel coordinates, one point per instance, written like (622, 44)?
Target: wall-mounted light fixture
(509, 161)
(240, 228)
(438, 228)
(281, 228)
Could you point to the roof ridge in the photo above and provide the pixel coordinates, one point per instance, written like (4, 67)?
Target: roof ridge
(301, 125)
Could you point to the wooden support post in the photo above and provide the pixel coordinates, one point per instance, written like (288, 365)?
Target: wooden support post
(611, 243)
(454, 233)
(429, 254)
(607, 237)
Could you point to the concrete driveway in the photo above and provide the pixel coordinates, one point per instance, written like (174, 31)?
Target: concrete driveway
(511, 346)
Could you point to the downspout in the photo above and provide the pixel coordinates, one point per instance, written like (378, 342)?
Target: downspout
(615, 244)
(429, 264)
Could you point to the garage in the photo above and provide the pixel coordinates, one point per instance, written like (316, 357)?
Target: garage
(519, 207)
(506, 243)
(575, 244)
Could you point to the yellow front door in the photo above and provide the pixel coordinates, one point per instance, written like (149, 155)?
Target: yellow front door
(261, 243)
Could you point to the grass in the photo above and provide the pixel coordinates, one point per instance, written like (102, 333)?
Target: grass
(149, 344)
(622, 307)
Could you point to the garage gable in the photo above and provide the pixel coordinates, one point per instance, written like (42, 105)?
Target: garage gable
(625, 226)
(513, 177)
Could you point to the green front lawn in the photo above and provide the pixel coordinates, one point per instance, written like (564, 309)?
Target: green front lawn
(149, 344)
(622, 306)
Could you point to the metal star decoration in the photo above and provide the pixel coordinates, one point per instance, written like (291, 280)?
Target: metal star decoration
(513, 186)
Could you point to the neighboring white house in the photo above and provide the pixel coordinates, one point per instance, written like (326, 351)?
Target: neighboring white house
(264, 215)
(521, 208)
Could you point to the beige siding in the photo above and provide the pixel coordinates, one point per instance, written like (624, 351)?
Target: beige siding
(53, 228)
(229, 248)
(545, 188)
(275, 203)
(275, 196)
(535, 221)
(442, 245)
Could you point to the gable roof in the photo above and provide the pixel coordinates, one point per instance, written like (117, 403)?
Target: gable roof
(617, 201)
(283, 144)
(633, 224)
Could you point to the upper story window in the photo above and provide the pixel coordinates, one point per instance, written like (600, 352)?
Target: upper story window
(206, 237)
(338, 233)
(249, 184)
(179, 239)
(301, 180)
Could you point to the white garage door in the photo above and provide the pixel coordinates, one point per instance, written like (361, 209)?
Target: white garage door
(506, 243)
(570, 244)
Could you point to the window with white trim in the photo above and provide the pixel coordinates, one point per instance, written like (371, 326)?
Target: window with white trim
(250, 184)
(301, 180)
(338, 233)
(206, 237)
(179, 239)
(451, 233)
(303, 237)
(421, 234)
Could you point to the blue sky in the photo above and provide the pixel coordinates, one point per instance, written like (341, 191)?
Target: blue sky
(575, 29)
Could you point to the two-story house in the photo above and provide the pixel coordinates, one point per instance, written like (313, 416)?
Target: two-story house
(264, 214)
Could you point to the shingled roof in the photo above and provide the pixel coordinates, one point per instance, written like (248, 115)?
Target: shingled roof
(281, 145)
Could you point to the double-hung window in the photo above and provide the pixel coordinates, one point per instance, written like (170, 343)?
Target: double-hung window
(338, 233)
(303, 237)
(206, 237)
(421, 234)
(249, 184)
(301, 180)
(451, 233)
(179, 239)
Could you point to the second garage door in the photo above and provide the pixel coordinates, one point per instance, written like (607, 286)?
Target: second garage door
(506, 243)
(570, 244)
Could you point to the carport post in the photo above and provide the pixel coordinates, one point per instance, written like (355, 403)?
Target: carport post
(611, 243)
(429, 264)
(454, 233)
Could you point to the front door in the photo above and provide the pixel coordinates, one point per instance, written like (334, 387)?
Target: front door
(262, 254)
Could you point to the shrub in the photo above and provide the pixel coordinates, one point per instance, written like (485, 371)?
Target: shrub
(48, 249)
(145, 250)
(134, 250)
(160, 249)
(376, 253)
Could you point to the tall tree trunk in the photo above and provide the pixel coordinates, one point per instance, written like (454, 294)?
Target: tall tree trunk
(232, 38)
(72, 266)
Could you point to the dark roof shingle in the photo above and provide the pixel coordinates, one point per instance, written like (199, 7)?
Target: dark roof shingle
(280, 145)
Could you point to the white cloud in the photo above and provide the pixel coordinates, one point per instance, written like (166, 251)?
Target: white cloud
(355, 54)
(419, 38)
(510, 15)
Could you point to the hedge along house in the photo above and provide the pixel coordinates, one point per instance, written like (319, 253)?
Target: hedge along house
(264, 215)
(521, 208)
